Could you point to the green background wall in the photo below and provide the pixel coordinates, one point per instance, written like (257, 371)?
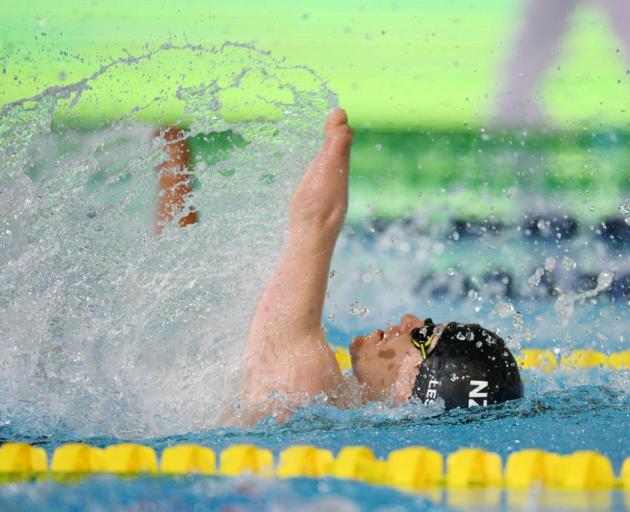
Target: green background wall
(394, 64)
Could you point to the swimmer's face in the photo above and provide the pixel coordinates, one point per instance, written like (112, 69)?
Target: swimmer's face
(377, 357)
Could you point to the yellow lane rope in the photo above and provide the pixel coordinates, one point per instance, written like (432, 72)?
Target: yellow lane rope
(545, 360)
(409, 469)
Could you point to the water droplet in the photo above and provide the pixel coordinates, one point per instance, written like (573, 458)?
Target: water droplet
(534, 279)
(568, 264)
(517, 320)
(357, 309)
(470, 336)
(478, 344)
(624, 207)
(460, 336)
(565, 307)
(503, 309)
(543, 226)
(450, 272)
(550, 264)
(604, 280)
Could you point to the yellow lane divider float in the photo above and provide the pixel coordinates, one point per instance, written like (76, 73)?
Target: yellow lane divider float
(408, 469)
(22, 458)
(545, 360)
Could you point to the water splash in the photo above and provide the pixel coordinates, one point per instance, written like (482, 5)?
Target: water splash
(565, 304)
(108, 329)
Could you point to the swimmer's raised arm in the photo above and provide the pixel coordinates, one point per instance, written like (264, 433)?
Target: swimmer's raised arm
(286, 354)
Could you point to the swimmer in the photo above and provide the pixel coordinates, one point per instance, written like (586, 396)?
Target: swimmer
(174, 180)
(287, 359)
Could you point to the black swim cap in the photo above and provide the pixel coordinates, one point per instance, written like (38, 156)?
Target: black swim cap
(470, 366)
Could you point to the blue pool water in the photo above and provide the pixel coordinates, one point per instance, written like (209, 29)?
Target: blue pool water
(579, 417)
(563, 411)
(112, 334)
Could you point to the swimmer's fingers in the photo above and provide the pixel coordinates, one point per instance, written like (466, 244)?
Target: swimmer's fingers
(321, 198)
(336, 118)
(338, 137)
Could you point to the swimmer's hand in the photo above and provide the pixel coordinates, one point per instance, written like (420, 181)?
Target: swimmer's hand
(321, 199)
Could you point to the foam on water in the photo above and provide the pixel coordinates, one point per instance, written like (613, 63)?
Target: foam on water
(106, 328)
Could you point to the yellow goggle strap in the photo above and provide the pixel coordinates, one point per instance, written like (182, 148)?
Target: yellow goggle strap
(421, 345)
